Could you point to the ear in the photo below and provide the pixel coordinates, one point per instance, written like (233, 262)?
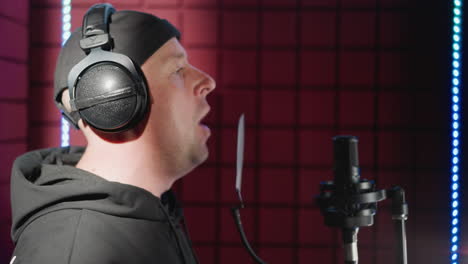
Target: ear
(66, 100)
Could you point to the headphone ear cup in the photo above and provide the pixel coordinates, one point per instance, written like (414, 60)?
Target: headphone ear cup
(110, 115)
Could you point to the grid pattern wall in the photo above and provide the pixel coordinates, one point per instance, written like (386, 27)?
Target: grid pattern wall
(14, 29)
(302, 71)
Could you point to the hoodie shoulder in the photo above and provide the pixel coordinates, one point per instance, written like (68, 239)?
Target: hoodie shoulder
(49, 239)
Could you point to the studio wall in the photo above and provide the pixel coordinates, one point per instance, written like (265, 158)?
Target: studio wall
(302, 72)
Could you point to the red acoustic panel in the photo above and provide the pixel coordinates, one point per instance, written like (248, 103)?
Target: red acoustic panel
(40, 3)
(277, 107)
(358, 28)
(280, 3)
(43, 63)
(212, 144)
(201, 222)
(319, 3)
(388, 256)
(239, 67)
(125, 4)
(77, 13)
(425, 191)
(309, 255)
(42, 106)
(203, 192)
(276, 146)
(430, 110)
(276, 225)
(5, 214)
(404, 4)
(241, 3)
(16, 47)
(318, 68)
(385, 227)
(205, 254)
(200, 27)
(237, 102)
(229, 233)
(235, 255)
(200, 3)
(433, 234)
(240, 28)
(164, 3)
(213, 100)
(357, 68)
(313, 229)
(5, 240)
(278, 68)
(396, 149)
(318, 28)
(50, 34)
(277, 186)
(45, 136)
(9, 152)
(309, 183)
(366, 238)
(359, 3)
(316, 147)
(394, 31)
(431, 149)
(395, 69)
(279, 28)
(356, 108)
(18, 10)
(14, 121)
(14, 80)
(317, 107)
(396, 108)
(277, 254)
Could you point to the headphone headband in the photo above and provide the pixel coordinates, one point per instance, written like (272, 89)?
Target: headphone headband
(95, 29)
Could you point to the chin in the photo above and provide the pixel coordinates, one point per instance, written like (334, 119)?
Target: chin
(201, 157)
(196, 159)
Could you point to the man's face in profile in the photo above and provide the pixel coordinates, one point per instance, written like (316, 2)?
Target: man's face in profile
(178, 104)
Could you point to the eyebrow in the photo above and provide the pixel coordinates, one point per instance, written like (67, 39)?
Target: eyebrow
(178, 55)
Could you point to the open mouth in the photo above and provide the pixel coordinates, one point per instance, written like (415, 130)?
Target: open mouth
(203, 125)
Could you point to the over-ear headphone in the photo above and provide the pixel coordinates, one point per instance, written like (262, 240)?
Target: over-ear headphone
(107, 89)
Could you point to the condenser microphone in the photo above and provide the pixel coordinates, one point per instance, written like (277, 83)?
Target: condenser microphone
(346, 163)
(346, 176)
(349, 202)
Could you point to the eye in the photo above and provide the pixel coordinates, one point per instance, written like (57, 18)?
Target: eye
(179, 70)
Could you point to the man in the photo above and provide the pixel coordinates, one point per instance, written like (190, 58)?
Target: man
(111, 203)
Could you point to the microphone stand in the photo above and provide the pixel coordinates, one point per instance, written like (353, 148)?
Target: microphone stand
(399, 215)
(358, 211)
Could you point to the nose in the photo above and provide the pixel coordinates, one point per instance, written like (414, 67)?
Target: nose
(205, 85)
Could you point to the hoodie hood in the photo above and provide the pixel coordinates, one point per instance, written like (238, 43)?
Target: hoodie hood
(46, 180)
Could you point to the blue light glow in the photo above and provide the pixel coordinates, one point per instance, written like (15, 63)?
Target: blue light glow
(456, 118)
(66, 26)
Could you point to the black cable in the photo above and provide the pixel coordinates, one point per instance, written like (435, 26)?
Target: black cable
(237, 219)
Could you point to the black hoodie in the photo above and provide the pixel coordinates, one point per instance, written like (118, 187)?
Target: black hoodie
(62, 214)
